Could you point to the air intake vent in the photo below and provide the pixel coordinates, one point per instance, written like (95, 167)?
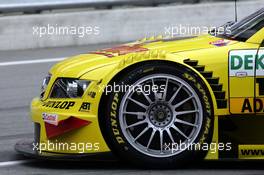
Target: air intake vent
(213, 81)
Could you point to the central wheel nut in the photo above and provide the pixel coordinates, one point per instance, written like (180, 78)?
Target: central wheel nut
(160, 115)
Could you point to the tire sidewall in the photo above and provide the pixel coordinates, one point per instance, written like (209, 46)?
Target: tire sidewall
(118, 143)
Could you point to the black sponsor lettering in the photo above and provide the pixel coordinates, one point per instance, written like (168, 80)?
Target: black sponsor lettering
(260, 81)
(70, 104)
(257, 106)
(59, 104)
(253, 152)
(44, 104)
(85, 107)
(50, 104)
(53, 103)
(92, 94)
(63, 105)
(246, 106)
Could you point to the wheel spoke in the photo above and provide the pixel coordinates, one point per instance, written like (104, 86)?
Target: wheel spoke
(151, 137)
(155, 93)
(137, 123)
(138, 103)
(185, 122)
(182, 102)
(175, 94)
(142, 132)
(179, 131)
(170, 135)
(147, 97)
(166, 88)
(135, 113)
(186, 112)
(161, 140)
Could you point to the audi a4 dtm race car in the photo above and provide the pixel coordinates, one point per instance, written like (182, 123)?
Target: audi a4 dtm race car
(158, 101)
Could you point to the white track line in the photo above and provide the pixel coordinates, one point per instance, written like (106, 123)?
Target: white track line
(15, 162)
(11, 63)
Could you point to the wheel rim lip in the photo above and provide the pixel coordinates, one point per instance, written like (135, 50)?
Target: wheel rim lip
(139, 147)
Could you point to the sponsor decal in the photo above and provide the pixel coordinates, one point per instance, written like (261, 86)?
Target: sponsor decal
(207, 106)
(255, 105)
(64, 126)
(251, 151)
(220, 43)
(50, 118)
(121, 50)
(241, 74)
(85, 107)
(247, 105)
(59, 104)
(245, 62)
(92, 94)
(260, 83)
(201, 90)
(113, 115)
(206, 131)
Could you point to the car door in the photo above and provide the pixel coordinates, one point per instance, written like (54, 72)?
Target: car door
(242, 82)
(259, 82)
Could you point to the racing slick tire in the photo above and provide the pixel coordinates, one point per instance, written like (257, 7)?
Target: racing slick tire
(161, 127)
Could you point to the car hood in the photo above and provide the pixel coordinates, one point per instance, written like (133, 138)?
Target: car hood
(79, 65)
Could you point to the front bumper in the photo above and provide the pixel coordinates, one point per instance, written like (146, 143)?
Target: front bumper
(68, 136)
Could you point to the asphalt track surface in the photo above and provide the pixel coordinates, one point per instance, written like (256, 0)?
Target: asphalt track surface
(21, 73)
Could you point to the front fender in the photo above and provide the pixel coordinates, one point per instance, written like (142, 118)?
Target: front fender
(103, 76)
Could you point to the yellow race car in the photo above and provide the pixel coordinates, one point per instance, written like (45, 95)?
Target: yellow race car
(157, 102)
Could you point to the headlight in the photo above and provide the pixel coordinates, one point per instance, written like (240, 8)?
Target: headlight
(69, 88)
(44, 85)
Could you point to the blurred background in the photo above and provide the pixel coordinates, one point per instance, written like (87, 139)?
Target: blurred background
(109, 21)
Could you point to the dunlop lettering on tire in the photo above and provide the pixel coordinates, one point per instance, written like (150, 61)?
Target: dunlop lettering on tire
(137, 126)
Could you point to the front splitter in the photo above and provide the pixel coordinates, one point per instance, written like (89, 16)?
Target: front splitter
(26, 148)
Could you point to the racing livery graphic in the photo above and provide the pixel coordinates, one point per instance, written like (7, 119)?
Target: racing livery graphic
(157, 102)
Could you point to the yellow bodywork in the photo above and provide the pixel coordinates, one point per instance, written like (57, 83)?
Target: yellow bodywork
(100, 70)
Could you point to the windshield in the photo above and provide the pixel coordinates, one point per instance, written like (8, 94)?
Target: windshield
(245, 28)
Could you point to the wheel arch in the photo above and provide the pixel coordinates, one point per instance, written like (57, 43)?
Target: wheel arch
(182, 65)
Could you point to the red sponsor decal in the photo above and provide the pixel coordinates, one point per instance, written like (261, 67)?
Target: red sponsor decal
(219, 43)
(64, 126)
(121, 50)
(50, 118)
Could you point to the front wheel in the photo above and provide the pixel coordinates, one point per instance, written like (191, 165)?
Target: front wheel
(158, 117)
